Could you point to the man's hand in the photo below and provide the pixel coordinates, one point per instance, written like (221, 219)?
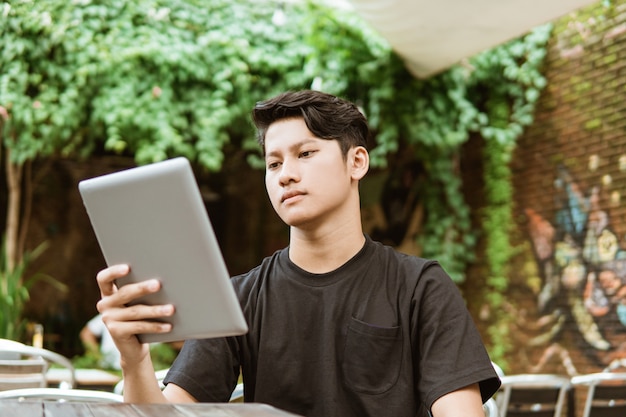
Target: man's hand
(124, 321)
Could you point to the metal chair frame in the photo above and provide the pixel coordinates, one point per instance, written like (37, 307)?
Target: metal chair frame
(491, 408)
(538, 384)
(22, 373)
(15, 357)
(606, 393)
(60, 394)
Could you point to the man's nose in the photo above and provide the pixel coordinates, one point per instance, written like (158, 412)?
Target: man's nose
(289, 172)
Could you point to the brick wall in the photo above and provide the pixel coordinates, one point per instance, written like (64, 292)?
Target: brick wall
(569, 176)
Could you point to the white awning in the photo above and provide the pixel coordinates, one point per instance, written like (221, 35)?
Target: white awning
(435, 34)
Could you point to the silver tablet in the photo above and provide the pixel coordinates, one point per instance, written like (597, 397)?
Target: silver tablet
(153, 219)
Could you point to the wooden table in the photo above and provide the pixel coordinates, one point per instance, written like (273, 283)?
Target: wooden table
(85, 378)
(38, 408)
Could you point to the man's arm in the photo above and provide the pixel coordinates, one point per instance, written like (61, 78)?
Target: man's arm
(465, 402)
(176, 394)
(141, 385)
(90, 341)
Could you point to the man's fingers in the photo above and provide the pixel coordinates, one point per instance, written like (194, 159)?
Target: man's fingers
(127, 293)
(121, 329)
(106, 278)
(138, 319)
(141, 312)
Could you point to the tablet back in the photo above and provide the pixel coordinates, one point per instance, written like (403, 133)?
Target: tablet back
(153, 218)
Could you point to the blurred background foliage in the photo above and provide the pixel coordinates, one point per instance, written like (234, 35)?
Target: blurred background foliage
(155, 79)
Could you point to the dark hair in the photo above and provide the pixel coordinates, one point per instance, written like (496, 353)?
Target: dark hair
(326, 116)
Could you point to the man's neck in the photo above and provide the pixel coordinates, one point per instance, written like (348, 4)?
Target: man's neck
(325, 251)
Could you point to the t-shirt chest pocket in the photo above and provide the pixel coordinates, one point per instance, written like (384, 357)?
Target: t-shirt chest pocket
(372, 357)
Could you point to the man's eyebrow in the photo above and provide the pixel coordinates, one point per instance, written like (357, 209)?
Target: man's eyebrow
(294, 146)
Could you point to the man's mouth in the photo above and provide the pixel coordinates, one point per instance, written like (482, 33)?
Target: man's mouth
(289, 194)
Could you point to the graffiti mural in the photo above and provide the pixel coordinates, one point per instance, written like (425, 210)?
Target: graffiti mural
(583, 271)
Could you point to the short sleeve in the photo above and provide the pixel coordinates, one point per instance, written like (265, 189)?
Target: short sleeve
(206, 368)
(450, 353)
(96, 326)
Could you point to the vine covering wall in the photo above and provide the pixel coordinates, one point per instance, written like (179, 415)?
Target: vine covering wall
(81, 79)
(568, 292)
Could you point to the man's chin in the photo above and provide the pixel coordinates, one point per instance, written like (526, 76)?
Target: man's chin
(300, 222)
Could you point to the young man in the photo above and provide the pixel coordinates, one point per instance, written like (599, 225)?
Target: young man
(339, 325)
(98, 342)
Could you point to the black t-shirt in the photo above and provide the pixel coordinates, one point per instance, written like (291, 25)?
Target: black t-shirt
(386, 334)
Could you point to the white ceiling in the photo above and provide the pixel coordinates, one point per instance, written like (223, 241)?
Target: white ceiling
(435, 34)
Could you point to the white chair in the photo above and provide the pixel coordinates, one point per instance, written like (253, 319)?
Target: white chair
(237, 395)
(498, 369)
(491, 408)
(606, 393)
(60, 394)
(7, 343)
(22, 373)
(15, 356)
(532, 395)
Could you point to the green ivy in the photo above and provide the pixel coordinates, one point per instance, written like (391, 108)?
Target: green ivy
(156, 79)
(517, 85)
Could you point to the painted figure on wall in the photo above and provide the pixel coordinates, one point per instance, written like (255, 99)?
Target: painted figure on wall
(583, 268)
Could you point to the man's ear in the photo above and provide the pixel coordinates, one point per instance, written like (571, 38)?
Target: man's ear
(359, 162)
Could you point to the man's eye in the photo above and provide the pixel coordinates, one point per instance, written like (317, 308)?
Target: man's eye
(306, 154)
(272, 165)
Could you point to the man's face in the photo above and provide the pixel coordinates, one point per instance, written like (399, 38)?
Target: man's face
(307, 178)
